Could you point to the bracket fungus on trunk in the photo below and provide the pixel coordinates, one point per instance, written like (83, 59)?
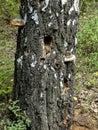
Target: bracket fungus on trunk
(17, 22)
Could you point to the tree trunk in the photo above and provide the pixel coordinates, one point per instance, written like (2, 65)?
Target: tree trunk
(44, 62)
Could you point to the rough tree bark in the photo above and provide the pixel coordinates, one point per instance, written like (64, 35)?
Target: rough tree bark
(44, 62)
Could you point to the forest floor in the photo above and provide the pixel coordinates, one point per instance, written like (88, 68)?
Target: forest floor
(86, 86)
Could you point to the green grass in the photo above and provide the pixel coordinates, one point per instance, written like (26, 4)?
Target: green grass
(7, 47)
(87, 50)
(6, 66)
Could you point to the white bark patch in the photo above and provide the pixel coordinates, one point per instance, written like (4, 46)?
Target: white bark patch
(57, 14)
(55, 76)
(50, 11)
(32, 57)
(41, 63)
(51, 16)
(76, 41)
(41, 41)
(30, 8)
(46, 119)
(62, 10)
(65, 44)
(71, 9)
(26, 53)
(71, 50)
(69, 76)
(19, 60)
(49, 24)
(33, 64)
(70, 58)
(61, 75)
(54, 52)
(41, 95)
(69, 22)
(55, 87)
(35, 17)
(46, 5)
(73, 22)
(25, 39)
(76, 5)
(45, 67)
(61, 84)
(25, 18)
(52, 69)
(63, 2)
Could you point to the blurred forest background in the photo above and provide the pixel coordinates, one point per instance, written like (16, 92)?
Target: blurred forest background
(86, 80)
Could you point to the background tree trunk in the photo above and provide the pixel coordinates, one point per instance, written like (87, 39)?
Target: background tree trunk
(44, 62)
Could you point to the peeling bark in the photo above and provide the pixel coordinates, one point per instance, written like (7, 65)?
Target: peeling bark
(44, 62)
